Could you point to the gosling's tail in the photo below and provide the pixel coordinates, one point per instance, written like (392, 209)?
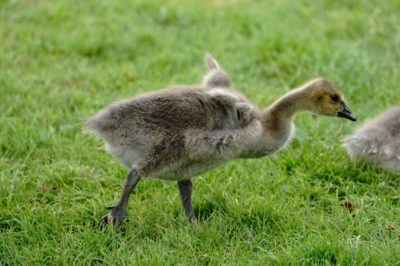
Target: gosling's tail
(216, 76)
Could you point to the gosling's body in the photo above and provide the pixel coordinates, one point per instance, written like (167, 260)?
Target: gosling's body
(181, 132)
(177, 133)
(377, 142)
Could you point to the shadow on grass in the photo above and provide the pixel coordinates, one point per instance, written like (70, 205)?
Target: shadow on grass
(257, 219)
(261, 220)
(206, 210)
(10, 222)
(356, 172)
(321, 256)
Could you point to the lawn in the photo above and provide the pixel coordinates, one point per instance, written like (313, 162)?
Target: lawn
(61, 61)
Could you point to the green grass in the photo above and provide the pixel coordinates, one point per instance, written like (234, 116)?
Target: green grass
(61, 61)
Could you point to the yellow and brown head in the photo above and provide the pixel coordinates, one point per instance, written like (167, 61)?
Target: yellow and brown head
(327, 99)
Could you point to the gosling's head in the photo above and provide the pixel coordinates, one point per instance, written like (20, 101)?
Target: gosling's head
(327, 99)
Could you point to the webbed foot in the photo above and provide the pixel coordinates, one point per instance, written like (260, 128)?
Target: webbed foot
(116, 216)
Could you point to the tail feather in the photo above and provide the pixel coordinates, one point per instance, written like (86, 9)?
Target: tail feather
(92, 125)
(103, 123)
(216, 76)
(210, 62)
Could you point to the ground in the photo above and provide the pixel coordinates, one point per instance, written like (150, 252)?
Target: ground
(61, 61)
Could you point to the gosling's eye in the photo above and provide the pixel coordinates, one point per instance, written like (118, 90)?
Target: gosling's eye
(334, 98)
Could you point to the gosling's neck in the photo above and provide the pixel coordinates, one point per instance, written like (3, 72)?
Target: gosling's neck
(279, 116)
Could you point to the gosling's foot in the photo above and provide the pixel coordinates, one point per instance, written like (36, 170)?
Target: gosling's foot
(116, 216)
(192, 219)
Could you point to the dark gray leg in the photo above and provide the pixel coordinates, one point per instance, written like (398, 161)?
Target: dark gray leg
(185, 190)
(117, 213)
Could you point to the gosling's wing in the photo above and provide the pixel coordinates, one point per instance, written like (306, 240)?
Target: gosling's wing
(173, 110)
(234, 104)
(166, 110)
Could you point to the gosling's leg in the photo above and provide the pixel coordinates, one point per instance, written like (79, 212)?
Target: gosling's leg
(185, 190)
(117, 213)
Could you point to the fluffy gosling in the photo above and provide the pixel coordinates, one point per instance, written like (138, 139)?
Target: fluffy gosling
(181, 132)
(377, 141)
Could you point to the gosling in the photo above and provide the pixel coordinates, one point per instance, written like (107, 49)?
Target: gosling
(181, 132)
(377, 142)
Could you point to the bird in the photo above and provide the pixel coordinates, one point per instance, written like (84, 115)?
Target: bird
(377, 141)
(182, 131)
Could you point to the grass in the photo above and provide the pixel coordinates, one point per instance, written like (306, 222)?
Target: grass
(61, 61)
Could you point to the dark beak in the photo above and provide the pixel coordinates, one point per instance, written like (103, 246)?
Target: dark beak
(346, 113)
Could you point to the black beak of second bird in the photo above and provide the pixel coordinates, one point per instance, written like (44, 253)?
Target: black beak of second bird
(346, 113)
